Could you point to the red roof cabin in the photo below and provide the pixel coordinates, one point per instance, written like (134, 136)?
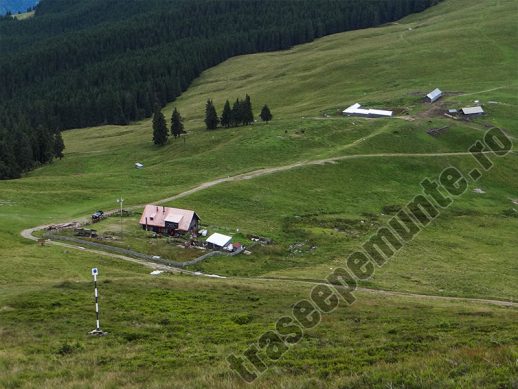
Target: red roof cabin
(165, 220)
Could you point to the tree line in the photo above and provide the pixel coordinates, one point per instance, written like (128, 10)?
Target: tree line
(81, 63)
(25, 149)
(240, 114)
(160, 130)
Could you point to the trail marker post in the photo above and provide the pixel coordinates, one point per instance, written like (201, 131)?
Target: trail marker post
(120, 201)
(97, 331)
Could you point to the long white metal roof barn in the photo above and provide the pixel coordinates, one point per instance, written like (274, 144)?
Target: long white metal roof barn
(356, 110)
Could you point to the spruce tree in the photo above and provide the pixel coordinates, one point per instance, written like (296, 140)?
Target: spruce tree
(248, 115)
(59, 145)
(23, 151)
(226, 116)
(236, 114)
(160, 132)
(8, 166)
(266, 115)
(211, 116)
(43, 145)
(176, 124)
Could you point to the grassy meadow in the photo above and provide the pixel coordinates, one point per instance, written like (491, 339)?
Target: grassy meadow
(176, 330)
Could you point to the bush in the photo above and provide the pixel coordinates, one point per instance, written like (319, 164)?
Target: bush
(69, 348)
(132, 336)
(391, 209)
(511, 212)
(242, 319)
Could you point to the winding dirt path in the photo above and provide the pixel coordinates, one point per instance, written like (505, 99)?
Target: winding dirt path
(485, 91)
(279, 169)
(28, 233)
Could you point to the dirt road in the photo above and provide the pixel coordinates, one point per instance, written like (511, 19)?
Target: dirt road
(28, 233)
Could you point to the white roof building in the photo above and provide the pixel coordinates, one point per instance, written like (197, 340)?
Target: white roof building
(434, 95)
(472, 111)
(356, 110)
(352, 109)
(138, 165)
(219, 240)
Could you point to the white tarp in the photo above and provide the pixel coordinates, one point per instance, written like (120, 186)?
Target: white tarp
(219, 240)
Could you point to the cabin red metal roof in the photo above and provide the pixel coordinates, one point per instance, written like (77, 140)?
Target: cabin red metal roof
(156, 216)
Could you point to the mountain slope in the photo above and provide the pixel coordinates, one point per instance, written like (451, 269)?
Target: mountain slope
(176, 330)
(89, 62)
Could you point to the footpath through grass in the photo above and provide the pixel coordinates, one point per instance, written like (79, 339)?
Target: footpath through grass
(175, 331)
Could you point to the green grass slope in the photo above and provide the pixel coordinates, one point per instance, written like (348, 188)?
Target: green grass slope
(175, 331)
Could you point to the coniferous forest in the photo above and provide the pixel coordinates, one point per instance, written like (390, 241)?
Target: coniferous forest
(81, 63)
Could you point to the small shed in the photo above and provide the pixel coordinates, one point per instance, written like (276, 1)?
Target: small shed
(470, 111)
(434, 95)
(138, 165)
(219, 241)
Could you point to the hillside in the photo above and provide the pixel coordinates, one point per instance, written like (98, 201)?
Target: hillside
(440, 313)
(80, 63)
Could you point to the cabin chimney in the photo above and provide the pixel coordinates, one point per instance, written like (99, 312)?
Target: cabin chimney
(163, 209)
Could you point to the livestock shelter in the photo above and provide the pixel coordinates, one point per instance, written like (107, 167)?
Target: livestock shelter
(165, 220)
(356, 110)
(434, 95)
(470, 111)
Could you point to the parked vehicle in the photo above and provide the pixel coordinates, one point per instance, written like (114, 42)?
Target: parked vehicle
(97, 216)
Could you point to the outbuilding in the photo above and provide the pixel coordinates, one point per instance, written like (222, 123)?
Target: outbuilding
(219, 241)
(434, 95)
(356, 110)
(471, 111)
(138, 165)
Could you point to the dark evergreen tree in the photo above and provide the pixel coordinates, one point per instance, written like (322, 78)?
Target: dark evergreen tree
(211, 116)
(59, 145)
(23, 151)
(176, 124)
(160, 132)
(266, 115)
(82, 63)
(226, 116)
(248, 114)
(236, 117)
(43, 145)
(9, 167)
